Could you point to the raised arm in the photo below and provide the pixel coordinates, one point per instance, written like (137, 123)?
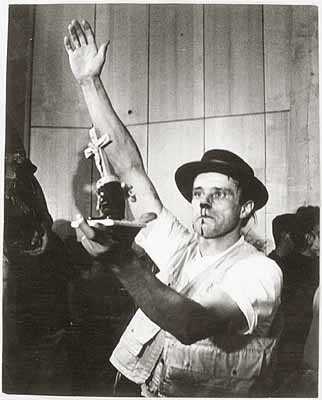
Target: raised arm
(86, 62)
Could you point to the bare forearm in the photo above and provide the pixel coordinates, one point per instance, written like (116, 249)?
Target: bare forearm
(122, 152)
(177, 314)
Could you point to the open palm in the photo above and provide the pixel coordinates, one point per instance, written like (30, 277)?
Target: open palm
(86, 61)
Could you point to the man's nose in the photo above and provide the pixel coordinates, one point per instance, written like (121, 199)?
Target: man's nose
(205, 205)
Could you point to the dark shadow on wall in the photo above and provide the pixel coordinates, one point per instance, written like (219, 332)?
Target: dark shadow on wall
(82, 187)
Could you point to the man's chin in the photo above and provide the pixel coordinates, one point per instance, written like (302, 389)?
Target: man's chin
(204, 232)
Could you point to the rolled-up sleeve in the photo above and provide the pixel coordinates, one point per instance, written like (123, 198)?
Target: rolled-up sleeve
(164, 238)
(255, 285)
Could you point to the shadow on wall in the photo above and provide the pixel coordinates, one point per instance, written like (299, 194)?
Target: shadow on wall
(82, 186)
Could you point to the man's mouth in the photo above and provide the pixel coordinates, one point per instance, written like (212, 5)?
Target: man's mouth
(204, 217)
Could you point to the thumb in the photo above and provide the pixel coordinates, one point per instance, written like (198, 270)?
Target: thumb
(102, 50)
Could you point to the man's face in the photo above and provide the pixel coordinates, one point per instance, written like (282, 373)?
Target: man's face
(215, 204)
(315, 245)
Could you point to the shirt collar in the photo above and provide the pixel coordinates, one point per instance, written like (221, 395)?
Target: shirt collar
(240, 241)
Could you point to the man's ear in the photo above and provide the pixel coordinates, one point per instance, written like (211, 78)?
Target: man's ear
(246, 209)
(309, 239)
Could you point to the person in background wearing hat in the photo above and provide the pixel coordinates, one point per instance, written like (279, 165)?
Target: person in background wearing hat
(36, 272)
(285, 229)
(300, 280)
(286, 233)
(205, 322)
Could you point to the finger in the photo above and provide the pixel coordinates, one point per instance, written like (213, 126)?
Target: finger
(68, 45)
(88, 32)
(35, 239)
(44, 241)
(96, 249)
(147, 217)
(87, 230)
(102, 50)
(88, 245)
(73, 35)
(34, 252)
(80, 33)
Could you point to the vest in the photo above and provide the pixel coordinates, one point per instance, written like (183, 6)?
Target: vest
(205, 368)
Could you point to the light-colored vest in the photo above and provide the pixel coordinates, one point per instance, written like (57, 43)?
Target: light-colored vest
(205, 368)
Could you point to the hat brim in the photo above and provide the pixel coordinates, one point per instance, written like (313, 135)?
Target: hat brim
(186, 174)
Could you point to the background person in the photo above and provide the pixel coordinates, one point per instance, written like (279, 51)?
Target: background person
(36, 274)
(301, 279)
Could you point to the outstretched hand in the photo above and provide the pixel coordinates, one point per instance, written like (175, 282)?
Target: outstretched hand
(86, 61)
(104, 242)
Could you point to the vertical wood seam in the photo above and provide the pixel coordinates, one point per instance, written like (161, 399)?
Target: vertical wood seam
(92, 195)
(28, 96)
(310, 85)
(264, 109)
(204, 78)
(148, 89)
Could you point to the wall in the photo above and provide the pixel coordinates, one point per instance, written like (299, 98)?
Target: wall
(19, 60)
(184, 78)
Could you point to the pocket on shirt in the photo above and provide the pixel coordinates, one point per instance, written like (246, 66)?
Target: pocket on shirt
(139, 332)
(192, 371)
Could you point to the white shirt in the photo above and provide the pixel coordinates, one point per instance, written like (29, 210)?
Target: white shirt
(254, 283)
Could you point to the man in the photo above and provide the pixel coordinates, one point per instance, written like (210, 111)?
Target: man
(36, 274)
(297, 253)
(205, 322)
(285, 229)
(309, 220)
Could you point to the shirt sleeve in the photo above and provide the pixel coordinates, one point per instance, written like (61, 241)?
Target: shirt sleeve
(164, 239)
(255, 285)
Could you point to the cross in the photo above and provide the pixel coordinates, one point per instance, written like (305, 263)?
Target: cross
(95, 148)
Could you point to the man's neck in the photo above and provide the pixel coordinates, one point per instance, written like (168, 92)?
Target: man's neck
(282, 251)
(214, 246)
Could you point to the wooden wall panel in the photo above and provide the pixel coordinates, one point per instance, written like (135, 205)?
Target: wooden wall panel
(176, 62)
(277, 167)
(277, 35)
(313, 114)
(171, 145)
(19, 61)
(56, 97)
(233, 59)
(244, 136)
(126, 72)
(277, 162)
(63, 171)
(303, 184)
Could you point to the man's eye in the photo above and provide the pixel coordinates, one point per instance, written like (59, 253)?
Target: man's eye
(219, 195)
(196, 194)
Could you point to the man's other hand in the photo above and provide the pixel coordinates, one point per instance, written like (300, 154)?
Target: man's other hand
(85, 60)
(101, 241)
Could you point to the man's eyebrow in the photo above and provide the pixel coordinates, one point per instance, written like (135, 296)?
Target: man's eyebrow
(213, 187)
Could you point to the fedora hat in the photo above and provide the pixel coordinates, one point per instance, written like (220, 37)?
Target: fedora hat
(227, 163)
